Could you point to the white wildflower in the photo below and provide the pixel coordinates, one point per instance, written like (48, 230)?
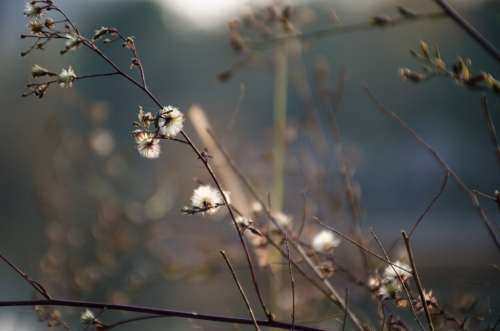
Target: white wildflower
(72, 41)
(325, 241)
(283, 220)
(39, 71)
(206, 199)
(389, 289)
(147, 145)
(400, 267)
(170, 121)
(102, 142)
(373, 282)
(242, 221)
(256, 207)
(66, 77)
(31, 10)
(36, 26)
(87, 316)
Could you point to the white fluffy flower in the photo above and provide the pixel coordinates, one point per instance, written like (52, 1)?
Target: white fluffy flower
(390, 274)
(207, 199)
(39, 71)
(325, 241)
(170, 121)
(284, 220)
(147, 145)
(31, 10)
(373, 282)
(389, 289)
(87, 316)
(242, 221)
(66, 77)
(72, 41)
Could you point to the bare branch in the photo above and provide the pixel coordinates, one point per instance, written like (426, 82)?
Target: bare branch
(417, 280)
(240, 288)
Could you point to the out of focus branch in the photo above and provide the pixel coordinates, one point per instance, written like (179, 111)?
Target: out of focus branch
(469, 28)
(378, 22)
(492, 231)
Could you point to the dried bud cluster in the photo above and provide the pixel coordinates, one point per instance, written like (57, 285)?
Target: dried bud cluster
(460, 71)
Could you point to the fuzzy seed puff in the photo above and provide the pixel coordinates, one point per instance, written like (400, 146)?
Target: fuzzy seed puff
(325, 241)
(170, 121)
(87, 317)
(147, 145)
(390, 274)
(66, 77)
(31, 10)
(206, 199)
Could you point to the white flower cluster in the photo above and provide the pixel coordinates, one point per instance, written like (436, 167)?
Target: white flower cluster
(206, 200)
(30, 10)
(66, 77)
(166, 124)
(73, 41)
(389, 284)
(325, 241)
(87, 317)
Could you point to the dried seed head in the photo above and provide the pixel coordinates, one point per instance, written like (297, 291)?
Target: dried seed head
(66, 77)
(147, 145)
(39, 71)
(325, 241)
(31, 10)
(170, 121)
(206, 199)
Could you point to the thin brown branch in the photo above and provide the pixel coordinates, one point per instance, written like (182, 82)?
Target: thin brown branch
(491, 126)
(292, 283)
(240, 289)
(418, 282)
(357, 244)
(343, 29)
(143, 87)
(346, 299)
(36, 285)
(331, 292)
(469, 29)
(426, 211)
(473, 197)
(403, 284)
(154, 311)
(333, 104)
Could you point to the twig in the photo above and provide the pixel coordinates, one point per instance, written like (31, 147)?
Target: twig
(342, 29)
(426, 211)
(360, 246)
(473, 197)
(417, 280)
(331, 292)
(155, 311)
(144, 88)
(406, 290)
(240, 288)
(346, 300)
(469, 28)
(491, 126)
(292, 283)
(345, 172)
(36, 285)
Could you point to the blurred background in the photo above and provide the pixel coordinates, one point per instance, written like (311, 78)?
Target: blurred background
(86, 215)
